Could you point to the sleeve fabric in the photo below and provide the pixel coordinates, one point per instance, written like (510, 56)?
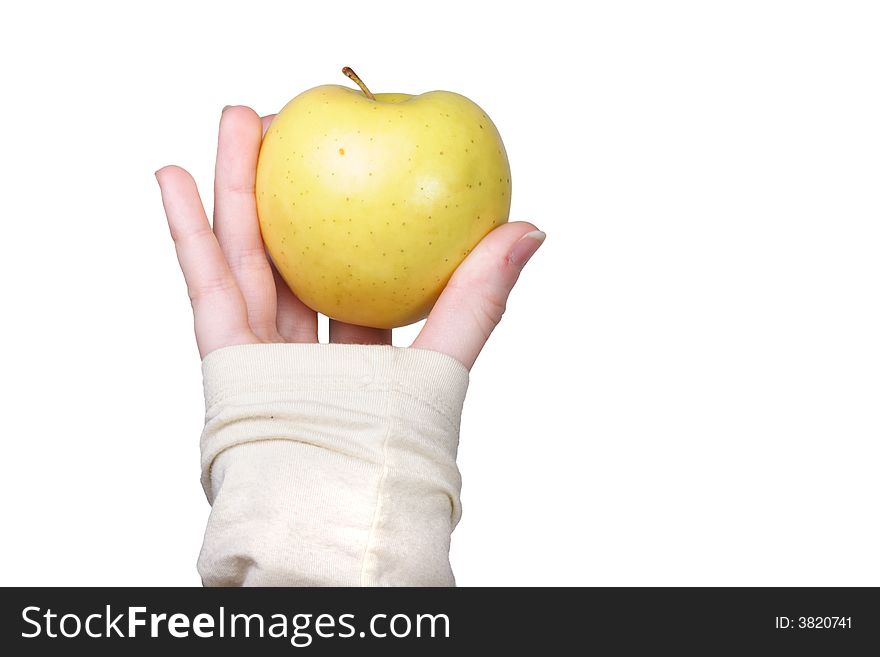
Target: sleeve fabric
(330, 465)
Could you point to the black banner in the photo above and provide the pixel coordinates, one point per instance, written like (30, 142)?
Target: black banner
(113, 621)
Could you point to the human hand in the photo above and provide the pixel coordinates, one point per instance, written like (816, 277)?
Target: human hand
(239, 298)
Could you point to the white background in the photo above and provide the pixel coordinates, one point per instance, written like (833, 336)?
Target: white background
(685, 387)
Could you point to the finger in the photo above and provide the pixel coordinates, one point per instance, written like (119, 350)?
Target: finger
(235, 217)
(342, 333)
(475, 298)
(218, 308)
(296, 322)
(266, 121)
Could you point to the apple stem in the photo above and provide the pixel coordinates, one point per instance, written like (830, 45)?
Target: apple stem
(354, 76)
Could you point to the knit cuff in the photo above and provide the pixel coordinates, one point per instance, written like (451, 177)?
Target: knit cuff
(318, 385)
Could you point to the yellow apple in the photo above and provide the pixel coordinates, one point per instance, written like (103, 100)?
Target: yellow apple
(368, 203)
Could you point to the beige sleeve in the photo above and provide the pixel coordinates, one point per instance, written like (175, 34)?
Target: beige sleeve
(330, 465)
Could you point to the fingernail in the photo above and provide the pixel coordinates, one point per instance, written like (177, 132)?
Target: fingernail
(226, 107)
(526, 247)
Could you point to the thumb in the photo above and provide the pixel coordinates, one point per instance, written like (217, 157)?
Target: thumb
(476, 296)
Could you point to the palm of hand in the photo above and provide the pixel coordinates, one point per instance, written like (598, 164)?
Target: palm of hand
(238, 297)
